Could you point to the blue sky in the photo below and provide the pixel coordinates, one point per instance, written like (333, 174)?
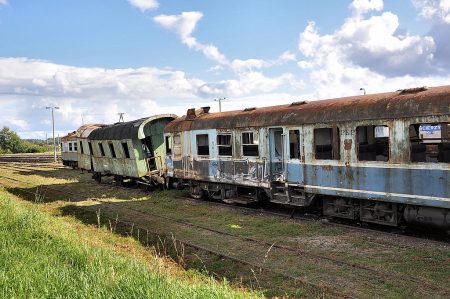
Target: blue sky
(142, 57)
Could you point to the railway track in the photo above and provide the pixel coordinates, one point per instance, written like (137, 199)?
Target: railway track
(296, 216)
(28, 158)
(381, 274)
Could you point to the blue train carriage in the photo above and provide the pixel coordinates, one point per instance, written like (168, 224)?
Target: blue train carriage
(131, 150)
(69, 150)
(84, 146)
(382, 158)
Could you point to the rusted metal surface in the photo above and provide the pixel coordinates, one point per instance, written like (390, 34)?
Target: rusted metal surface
(399, 104)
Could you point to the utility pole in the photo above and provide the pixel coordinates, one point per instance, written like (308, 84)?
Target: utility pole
(121, 116)
(53, 125)
(220, 102)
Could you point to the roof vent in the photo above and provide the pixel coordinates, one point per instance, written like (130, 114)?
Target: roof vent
(412, 90)
(194, 113)
(249, 109)
(299, 103)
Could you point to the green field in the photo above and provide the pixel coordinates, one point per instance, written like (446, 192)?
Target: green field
(58, 257)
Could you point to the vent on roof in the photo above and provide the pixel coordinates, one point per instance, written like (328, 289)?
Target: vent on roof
(194, 113)
(412, 90)
(249, 109)
(299, 103)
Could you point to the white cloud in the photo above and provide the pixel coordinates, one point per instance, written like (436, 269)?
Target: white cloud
(360, 7)
(435, 10)
(143, 5)
(368, 52)
(185, 24)
(27, 86)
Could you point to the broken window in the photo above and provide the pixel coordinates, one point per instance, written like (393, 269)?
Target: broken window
(168, 146)
(430, 142)
(102, 151)
(224, 145)
(126, 151)
(327, 143)
(177, 146)
(81, 147)
(373, 143)
(202, 145)
(278, 143)
(90, 148)
(111, 149)
(75, 146)
(294, 144)
(250, 144)
(70, 146)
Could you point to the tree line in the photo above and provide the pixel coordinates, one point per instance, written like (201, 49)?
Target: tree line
(11, 143)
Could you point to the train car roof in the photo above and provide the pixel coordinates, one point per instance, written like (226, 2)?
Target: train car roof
(412, 102)
(126, 130)
(82, 131)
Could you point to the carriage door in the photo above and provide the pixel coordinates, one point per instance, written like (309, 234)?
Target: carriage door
(276, 154)
(149, 154)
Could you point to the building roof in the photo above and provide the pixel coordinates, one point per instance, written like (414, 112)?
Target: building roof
(126, 130)
(399, 104)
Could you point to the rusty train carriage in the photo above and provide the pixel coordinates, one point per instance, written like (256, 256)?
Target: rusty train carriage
(364, 157)
(132, 150)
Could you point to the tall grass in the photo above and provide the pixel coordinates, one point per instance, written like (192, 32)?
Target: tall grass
(43, 256)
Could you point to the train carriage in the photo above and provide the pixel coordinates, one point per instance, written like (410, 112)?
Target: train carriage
(131, 150)
(84, 147)
(69, 150)
(382, 158)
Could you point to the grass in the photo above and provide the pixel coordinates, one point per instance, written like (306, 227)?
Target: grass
(428, 262)
(46, 256)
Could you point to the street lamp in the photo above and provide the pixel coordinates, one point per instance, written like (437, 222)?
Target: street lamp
(53, 124)
(220, 102)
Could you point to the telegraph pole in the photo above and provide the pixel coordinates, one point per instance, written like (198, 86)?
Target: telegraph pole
(220, 102)
(121, 116)
(53, 125)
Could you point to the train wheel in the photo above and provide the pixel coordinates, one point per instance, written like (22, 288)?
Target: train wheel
(196, 192)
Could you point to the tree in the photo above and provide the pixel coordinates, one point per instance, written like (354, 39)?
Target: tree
(10, 142)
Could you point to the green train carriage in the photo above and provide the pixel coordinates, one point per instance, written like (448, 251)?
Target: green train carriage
(131, 150)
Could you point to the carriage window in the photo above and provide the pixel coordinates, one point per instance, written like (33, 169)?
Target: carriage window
(70, 146)
(250, 145)
(373, 143)
(75, 146)
(111, 149)
(224, 145)
(202, 145)
(90, 148)
(430, 142)
(177, 146)
(294, 144)
(168, 146)
(81, 147)
(327, 143)
(102, 151)
(126, 151)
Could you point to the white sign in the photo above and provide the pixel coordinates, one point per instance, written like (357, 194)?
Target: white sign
(427, 131)
(381, 131)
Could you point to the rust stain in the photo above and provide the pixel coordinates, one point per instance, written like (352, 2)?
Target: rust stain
(347, 144)
(398, 104)
(327, 167)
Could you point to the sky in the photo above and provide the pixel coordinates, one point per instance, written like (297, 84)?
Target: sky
(97, 58)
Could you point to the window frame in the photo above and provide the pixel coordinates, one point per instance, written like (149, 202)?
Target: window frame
(332, 144)
(102, 149)
(125, 149)
(299, 144)
(168, 143)
(177, 146)
(112, 149)
(249, 144)
(197, 145)
(374, 127)
(429, 143)
(81, 147)
(223, 145)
